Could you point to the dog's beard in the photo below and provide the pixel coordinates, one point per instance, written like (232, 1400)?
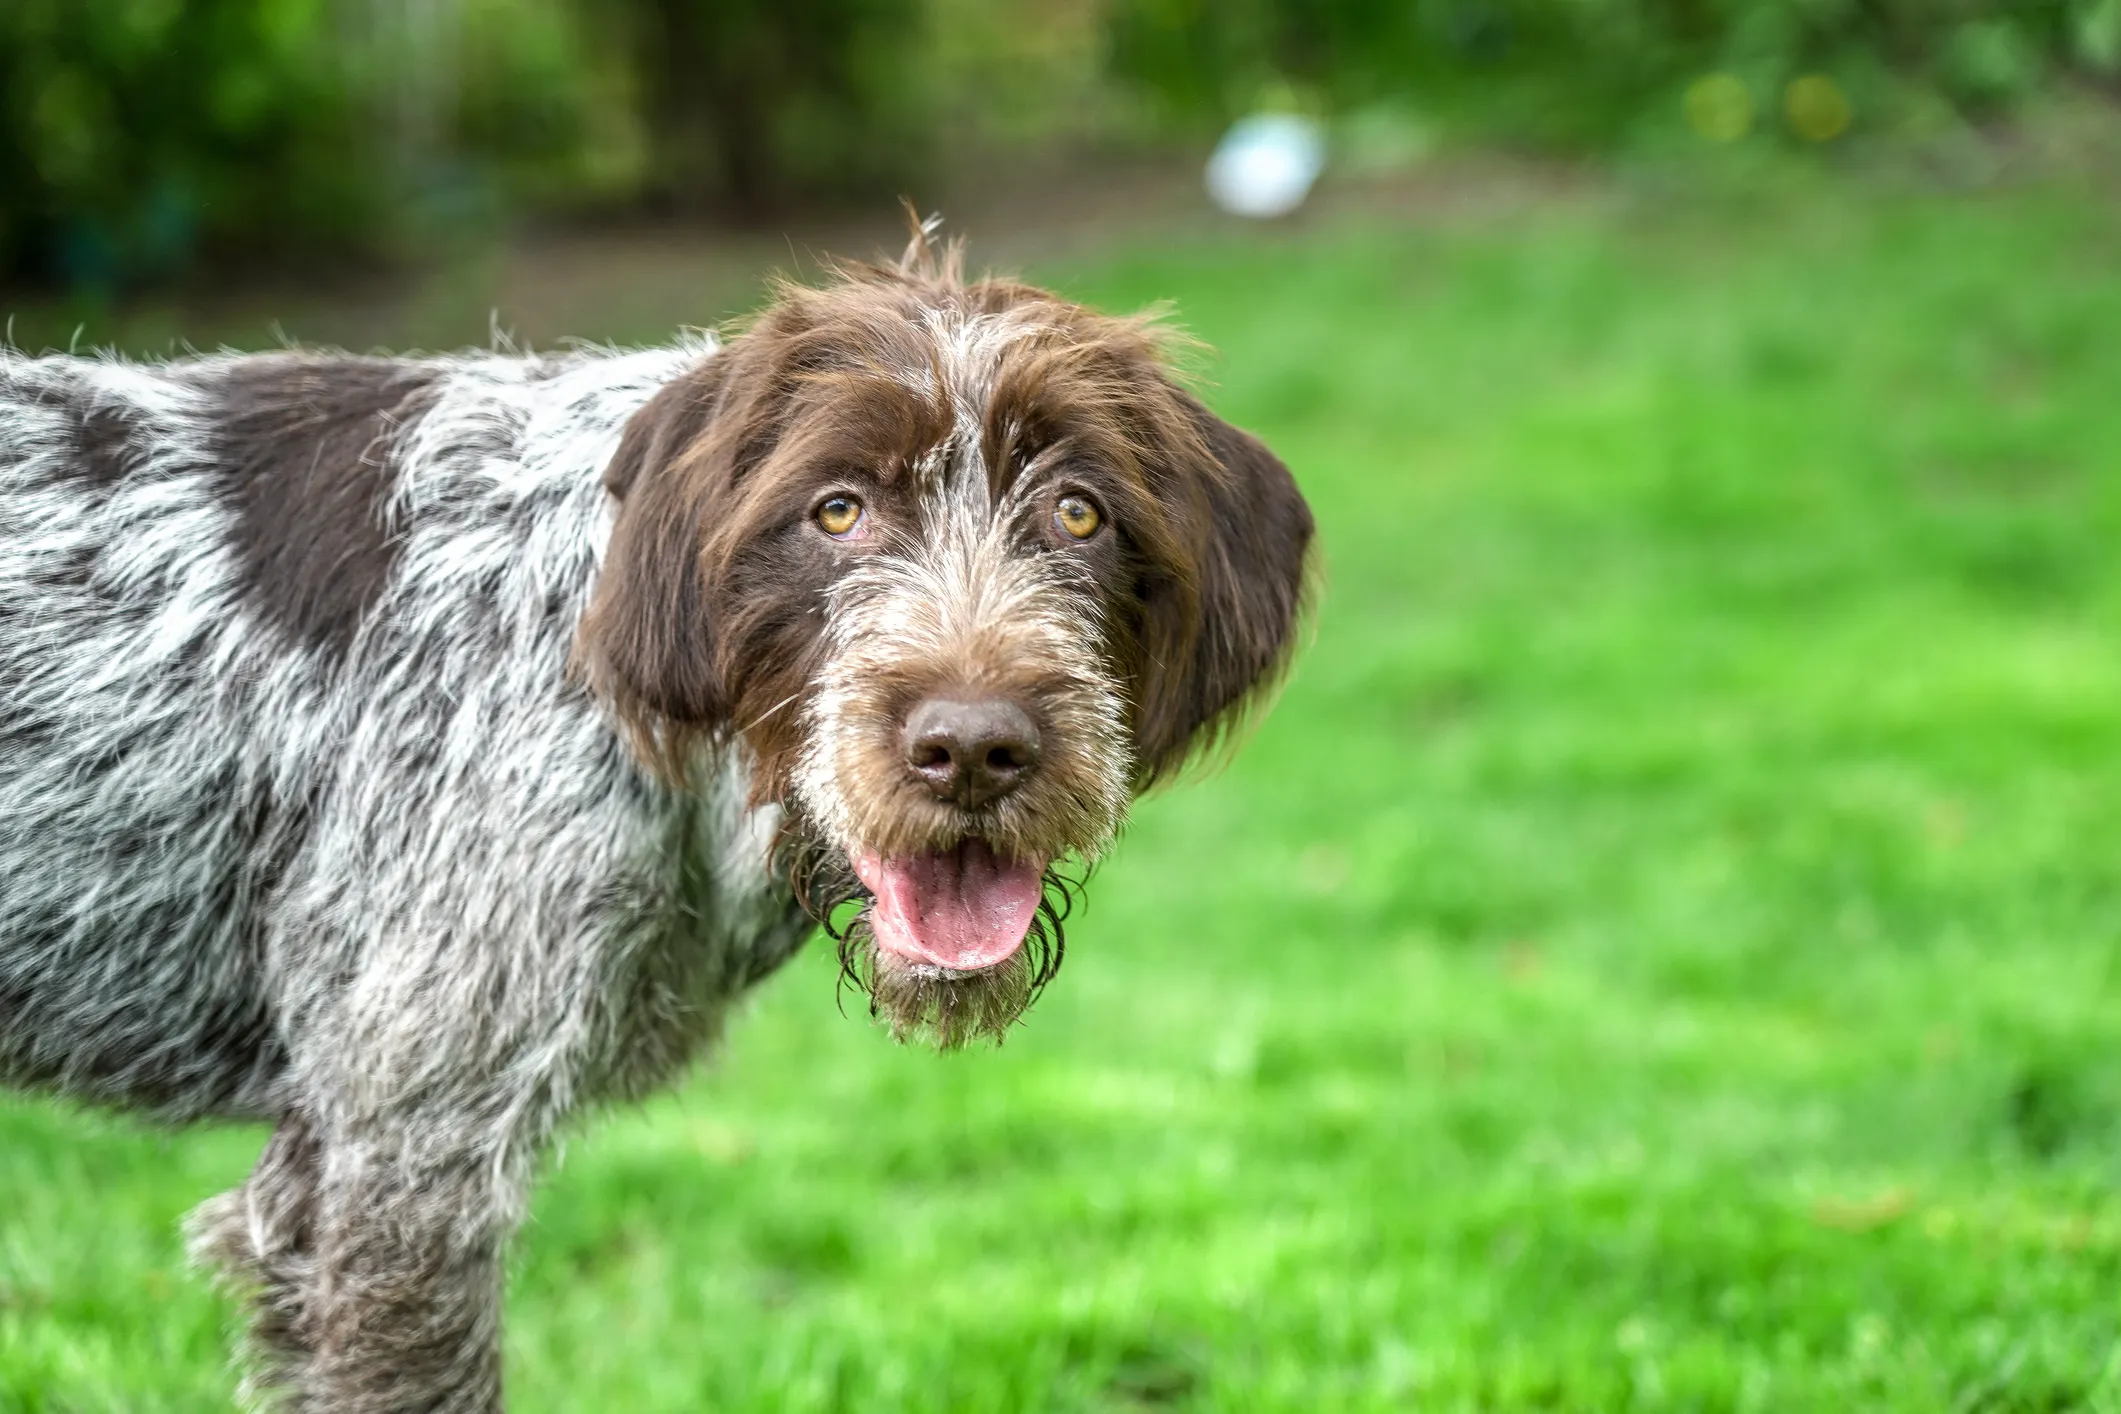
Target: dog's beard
(917, 1001)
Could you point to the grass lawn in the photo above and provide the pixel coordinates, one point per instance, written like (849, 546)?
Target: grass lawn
(1660, 954)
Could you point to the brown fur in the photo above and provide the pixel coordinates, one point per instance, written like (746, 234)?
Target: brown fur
(712, 617)
(699, 627)
(103, 440)
(307, 444)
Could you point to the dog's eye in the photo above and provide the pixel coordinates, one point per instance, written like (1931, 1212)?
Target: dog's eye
(838, 516)
(1077, 516)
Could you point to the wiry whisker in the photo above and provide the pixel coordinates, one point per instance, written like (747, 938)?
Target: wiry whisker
(817, 874)
(762, 717)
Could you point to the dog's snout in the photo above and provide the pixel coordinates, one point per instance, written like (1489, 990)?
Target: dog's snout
(971, 752)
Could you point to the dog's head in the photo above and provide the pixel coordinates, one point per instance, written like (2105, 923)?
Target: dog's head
(965, 569)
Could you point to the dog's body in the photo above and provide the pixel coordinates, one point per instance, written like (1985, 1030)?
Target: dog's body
(414, 752)
(213, 757)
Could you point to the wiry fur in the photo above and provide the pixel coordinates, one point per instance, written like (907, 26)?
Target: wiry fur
(316, 797)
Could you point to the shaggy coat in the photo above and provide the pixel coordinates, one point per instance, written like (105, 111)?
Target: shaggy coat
(412, 752)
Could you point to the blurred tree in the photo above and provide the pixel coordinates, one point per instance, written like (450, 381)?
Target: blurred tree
(750, 102)
(131, 131)
(139, 137)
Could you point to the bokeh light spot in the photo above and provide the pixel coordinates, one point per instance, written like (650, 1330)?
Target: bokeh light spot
(1719, 107)
(1816, 107)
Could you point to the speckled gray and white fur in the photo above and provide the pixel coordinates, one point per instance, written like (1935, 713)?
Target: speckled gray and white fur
(408, 897)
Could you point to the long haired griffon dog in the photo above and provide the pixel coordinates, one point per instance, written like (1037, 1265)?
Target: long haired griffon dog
(413, 752)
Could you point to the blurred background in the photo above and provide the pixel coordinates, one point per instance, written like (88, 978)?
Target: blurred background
(1661, 950)
(156, 143)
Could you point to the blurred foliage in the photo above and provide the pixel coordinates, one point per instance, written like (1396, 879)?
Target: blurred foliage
(754, 101)
(139, 138)
(132, 129)
(1590, 73)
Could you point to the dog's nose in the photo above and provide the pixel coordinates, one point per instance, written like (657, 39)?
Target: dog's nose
(971, 753)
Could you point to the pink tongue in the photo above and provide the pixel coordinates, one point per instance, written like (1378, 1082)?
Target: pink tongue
(963, 910)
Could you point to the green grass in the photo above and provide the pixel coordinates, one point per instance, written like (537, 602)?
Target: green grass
(1660, 954)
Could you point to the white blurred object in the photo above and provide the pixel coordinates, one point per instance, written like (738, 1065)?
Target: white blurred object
(1265, 164)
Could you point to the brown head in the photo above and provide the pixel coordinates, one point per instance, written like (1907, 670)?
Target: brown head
(965, 569)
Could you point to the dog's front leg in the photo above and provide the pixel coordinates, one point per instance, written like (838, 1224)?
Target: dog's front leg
(372, 1258)
(404, 1301)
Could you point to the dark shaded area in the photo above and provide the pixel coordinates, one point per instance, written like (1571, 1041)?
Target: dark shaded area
(306, 441)
(728, 88)
(105, 440)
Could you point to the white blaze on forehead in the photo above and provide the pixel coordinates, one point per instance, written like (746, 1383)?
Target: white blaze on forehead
(971, 348)
(969, 351)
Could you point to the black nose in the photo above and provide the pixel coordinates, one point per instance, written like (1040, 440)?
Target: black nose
(971, 753)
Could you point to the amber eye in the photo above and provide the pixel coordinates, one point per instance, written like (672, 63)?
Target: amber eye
(1077, 516)
(839, 515)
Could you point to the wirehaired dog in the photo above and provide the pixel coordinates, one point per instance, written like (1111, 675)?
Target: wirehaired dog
(414, 752)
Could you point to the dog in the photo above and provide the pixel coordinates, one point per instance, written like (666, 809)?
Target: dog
(413, 753)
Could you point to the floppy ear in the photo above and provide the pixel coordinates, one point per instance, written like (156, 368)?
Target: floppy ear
(645, 644)
(1215, 637)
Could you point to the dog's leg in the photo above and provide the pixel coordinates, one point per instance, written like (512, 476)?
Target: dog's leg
(406, 1306)
(261, 1239)
(374, 1261)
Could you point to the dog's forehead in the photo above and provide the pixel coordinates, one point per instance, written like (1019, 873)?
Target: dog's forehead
(955, 392)
(970, 354)
(971, 347)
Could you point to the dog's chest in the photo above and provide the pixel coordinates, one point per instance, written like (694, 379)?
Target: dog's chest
(714, 919)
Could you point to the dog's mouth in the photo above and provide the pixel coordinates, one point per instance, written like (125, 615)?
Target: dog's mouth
(961, 910)
(951, 945)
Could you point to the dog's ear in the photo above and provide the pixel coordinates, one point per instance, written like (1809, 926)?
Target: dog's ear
(1218, 631)
(645, 644)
